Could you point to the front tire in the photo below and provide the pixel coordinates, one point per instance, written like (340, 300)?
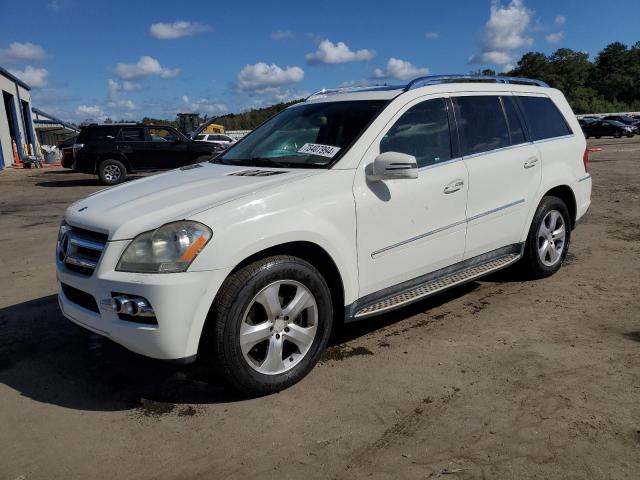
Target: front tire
(111, 172)
(272, 322)
(548, 240)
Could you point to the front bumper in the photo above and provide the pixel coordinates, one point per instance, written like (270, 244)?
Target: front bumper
(181, 302)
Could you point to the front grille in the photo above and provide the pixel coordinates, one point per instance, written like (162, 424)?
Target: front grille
(80, 249)
(83, 299)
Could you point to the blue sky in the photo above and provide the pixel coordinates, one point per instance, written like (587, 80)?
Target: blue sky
(129, 59)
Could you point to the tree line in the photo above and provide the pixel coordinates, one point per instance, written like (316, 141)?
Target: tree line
(609, 83)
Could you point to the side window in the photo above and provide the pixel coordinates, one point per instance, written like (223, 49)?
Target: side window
(544, 118)
(161, 135)
(482, 124)
(132, 135)
(515, 126)
(422, 131)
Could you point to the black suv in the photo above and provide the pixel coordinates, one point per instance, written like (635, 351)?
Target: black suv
(112, 151)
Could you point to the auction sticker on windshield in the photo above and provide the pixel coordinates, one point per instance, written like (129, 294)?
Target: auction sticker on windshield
(319, 149)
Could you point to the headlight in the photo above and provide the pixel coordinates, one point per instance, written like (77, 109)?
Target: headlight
(168, 249)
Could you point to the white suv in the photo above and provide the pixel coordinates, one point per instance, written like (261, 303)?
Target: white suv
(347, 205)
(218, 138)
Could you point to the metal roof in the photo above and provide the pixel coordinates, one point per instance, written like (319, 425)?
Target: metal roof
(51, 120)
(13, 78)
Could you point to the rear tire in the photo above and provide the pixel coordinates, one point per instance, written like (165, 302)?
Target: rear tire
(261, 339)
(548, 240)
(112, 172)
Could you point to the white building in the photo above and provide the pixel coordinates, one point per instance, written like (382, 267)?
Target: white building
(16, 124)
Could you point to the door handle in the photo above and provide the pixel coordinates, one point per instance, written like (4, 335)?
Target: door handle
(454, 186)
(531, 162)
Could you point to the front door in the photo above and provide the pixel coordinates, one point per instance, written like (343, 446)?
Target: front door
(409, 227)
(167, 148)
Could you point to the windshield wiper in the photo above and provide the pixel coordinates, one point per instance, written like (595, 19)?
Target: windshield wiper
(267, 162)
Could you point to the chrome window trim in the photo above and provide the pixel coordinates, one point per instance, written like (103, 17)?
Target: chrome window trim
(437, 164)
(562, 137)
(496, 150)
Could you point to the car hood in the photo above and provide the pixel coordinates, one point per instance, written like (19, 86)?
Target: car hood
(134, 207)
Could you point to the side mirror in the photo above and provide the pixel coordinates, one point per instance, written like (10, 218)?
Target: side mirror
(393, 166)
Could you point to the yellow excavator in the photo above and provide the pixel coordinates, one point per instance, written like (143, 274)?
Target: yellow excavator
(213, 128)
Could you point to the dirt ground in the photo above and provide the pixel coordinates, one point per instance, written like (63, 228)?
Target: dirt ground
(500, 379)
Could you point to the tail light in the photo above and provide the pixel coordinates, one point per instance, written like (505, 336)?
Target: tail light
(76, 147)
(585, 157)
(585, 160)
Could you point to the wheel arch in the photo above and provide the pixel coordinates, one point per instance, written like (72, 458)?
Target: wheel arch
(113, 156)
(316, 256)
(566, 194)
(306, 250)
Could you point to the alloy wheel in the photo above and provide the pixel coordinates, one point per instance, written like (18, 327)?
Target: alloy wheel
(111, 173)
(551, 238)
(279, 327)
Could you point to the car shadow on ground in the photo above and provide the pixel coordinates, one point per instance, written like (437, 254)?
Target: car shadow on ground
(84, 181)
(45, 357)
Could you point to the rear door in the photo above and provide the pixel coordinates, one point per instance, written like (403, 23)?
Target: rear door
(132, 145)
(504, 170)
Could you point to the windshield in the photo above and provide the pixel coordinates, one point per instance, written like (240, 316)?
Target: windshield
(304, 136)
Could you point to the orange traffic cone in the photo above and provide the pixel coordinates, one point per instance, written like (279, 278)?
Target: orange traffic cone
(16, 156)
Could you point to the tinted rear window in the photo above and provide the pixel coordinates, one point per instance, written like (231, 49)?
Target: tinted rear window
(132, 135)
(515, 126)
(481, 123)
(94, 134)
(544, 118)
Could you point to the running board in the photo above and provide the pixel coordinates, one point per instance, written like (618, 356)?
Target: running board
(435, 285)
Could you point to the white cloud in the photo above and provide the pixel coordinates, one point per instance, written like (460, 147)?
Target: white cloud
(505, 31)
(181, 28)
(328, 52)
(146, 66)
(261, 76)
(90, 111)
(34, 77)
(115, 88)
(432, 35)
(554, 37)
(122, 104)
(18, 52)
(400, 69)
(203, 105)
(282, 35)
(493, 57)
(560, 20)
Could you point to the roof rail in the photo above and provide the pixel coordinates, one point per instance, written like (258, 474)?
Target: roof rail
(439, 79)
(363, 88)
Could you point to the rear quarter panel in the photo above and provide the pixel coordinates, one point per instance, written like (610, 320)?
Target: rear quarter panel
(561, 160)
